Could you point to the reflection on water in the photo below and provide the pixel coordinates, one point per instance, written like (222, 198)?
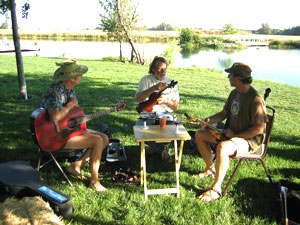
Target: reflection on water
(225, 63)
(267, 64)
(276, 65)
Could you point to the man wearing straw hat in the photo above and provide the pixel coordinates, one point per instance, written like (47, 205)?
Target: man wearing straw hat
(58, 100)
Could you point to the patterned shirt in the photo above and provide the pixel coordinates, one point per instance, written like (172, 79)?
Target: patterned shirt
(56, 96)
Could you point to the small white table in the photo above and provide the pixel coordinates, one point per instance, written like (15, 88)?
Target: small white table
(159, 134)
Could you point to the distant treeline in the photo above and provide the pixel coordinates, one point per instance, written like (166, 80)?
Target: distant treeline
(163, 27)
(291, 31)
(266, 29)
(229, 29)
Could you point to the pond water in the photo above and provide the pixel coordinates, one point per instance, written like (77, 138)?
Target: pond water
(267, 64)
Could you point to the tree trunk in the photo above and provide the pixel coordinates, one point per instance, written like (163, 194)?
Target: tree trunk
(128, 35)
(121, 55)
(19, 60)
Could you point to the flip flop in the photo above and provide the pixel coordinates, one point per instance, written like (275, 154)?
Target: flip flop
(212, 195)
(205, 174)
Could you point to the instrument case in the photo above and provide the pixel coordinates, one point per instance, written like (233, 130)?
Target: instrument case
(19, 179)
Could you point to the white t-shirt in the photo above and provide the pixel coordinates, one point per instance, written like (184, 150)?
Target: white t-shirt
(172, 93)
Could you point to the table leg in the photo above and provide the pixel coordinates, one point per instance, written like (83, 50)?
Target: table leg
(142, 162)
(176, 168)
(180, 154)
(143, 169)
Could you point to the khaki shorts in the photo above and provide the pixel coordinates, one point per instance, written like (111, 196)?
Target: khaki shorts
(242, 146)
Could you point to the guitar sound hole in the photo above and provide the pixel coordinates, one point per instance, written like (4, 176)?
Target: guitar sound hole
(72, 123)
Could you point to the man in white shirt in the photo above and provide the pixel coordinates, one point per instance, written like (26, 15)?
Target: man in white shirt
(157, 81)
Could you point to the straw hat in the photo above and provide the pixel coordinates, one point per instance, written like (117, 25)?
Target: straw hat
(69, 69)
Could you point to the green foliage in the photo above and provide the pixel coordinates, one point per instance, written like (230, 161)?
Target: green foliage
(114, 59)
(190, 40)
(229, 29)
(291, 31)
(171, 51)
(4, 26)
(265, 29)
(282, 44)
(186, 36)
(4, 6)
(250, 200)
(163, 27)
(109, 21)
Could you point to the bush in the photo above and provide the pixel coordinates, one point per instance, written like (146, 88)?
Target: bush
(186, 35)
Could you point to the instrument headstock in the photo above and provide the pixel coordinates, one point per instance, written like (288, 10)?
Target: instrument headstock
(120, 106)
(172, 84)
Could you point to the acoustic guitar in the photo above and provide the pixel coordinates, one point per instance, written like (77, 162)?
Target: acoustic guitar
(52, 136)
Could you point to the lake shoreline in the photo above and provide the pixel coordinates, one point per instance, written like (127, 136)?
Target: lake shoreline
(148, 36)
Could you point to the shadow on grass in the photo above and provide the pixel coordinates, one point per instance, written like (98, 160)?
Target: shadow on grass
(290, 172)
(87, 220)
(287, 153)
(257, 198)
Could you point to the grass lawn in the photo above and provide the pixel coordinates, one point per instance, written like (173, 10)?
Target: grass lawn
(250, 199)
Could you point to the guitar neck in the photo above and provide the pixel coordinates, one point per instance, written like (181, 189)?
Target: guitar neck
(89, 117)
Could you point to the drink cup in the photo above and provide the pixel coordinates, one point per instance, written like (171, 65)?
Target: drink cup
(163, 122)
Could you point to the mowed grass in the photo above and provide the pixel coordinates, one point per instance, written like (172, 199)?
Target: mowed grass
(250, 200)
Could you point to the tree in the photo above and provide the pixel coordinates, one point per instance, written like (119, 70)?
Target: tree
(229, 29)
(5, 6)
(186, 35)
(109, 23)
(4, 26)
(265, 29)
(162, 26)
(124, 18)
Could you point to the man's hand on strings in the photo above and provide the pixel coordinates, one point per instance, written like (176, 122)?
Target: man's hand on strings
(163, 100)
(160, 86)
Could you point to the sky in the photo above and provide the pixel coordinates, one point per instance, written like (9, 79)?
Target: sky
(205, 14)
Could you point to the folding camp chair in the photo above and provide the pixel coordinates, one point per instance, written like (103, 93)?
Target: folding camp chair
(62, 153)
(256, 156)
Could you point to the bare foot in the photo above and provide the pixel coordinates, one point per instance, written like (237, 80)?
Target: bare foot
(71, 169)
(97, 186)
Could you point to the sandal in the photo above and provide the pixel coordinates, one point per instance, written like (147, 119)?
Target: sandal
(205, 174)
(210, 195)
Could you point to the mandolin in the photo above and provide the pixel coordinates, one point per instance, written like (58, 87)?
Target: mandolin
(152, 101)
(211, 129)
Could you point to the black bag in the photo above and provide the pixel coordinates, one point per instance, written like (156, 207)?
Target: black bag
(289, 197)
(103, 128)
(20, 180)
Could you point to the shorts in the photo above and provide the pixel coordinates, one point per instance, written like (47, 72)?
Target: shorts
(242, 146)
